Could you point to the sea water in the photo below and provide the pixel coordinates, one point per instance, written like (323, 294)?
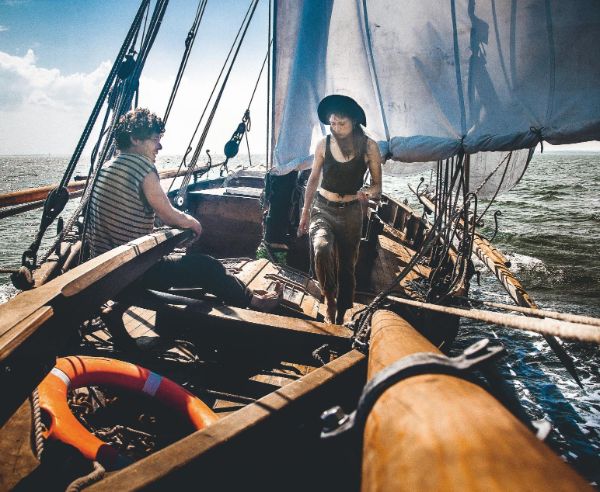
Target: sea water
(549, 230)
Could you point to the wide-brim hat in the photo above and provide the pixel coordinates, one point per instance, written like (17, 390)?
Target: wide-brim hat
(343, 104)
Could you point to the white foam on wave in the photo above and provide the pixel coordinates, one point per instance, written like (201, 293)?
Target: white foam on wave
(520, 262)
(7, 292)
(532, 267)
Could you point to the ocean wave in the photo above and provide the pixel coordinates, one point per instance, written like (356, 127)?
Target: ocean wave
(7, 292)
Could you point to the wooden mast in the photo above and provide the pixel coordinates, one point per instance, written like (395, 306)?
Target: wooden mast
(438, 432)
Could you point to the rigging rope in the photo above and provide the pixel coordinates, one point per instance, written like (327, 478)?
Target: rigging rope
(232, 146)
(126, 90)
(507, 159)
(268, 159)
(564, 329)
(94, 476)
(540, 313)
(189, 43)
(200, 144)
(38, 427)
(58, 198)
(198, 149)
(439, 239)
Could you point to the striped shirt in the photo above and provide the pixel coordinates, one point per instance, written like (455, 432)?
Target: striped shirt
(118, 210)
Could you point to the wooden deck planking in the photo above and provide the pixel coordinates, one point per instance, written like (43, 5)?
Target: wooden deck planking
(140, 322)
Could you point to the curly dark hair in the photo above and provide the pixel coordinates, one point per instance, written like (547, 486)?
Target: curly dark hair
(139, 123)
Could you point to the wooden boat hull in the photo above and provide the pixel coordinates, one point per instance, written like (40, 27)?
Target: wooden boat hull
(268, 376)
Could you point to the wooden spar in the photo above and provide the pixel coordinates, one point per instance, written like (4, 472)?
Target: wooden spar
(75, 189)
(36, 323)
(35, 194)
(564, 329)
(439, 432)
(257, 447)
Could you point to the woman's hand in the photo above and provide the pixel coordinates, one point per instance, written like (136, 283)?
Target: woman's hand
(303, 225)
(363, 196)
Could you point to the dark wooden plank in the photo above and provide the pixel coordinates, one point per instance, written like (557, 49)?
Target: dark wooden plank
(25, 328)
(238, 448)
(251, 270)
(246, 332)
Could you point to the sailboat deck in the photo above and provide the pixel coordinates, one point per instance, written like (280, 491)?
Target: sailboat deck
(253, 378)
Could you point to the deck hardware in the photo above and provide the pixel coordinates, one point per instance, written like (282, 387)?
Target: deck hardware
(413, 365)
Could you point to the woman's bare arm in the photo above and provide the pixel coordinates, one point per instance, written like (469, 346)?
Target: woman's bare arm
(374, 162)
(311, 187)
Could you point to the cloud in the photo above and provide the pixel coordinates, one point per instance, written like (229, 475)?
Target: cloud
(25, 85)
(3, 28)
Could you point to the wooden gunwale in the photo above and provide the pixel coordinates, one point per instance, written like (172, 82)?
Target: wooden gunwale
(36, 323)
(248, 437)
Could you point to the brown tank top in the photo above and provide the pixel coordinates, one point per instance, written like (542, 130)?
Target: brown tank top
(343, 178)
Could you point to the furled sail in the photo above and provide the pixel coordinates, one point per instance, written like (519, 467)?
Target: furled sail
(439, 77)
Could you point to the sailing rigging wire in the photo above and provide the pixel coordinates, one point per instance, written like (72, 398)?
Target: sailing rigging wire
(552, 341)
(196, 154)
(201, 141)
(508, 158)
(57, 199)
(135, 26)
(189, 43)
(362, 328)
(126, 89)
(268, 158)
(248, 123)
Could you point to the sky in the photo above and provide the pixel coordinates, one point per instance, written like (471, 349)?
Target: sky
(56, 54)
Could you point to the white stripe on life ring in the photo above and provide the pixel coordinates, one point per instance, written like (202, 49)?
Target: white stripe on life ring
(62, 376)
(152, 384)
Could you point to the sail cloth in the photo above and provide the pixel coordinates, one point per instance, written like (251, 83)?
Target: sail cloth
(437, 77)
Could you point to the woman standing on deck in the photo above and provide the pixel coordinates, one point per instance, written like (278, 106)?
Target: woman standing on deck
(335, 215)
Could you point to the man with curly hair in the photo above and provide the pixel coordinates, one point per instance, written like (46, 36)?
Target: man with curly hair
(127, 195)
(124, 203)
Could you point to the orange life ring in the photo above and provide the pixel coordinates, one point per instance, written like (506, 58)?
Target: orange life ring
(76, 371)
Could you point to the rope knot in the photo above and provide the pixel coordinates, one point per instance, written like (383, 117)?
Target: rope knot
(539, 134)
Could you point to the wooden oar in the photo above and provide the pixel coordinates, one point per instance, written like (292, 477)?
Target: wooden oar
(498, 265)
(440, 432)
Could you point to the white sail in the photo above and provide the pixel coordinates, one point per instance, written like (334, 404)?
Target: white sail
(439, 77)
